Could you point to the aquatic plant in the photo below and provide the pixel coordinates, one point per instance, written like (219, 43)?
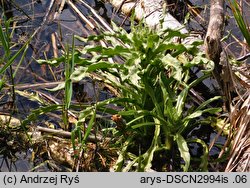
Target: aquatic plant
(241, 22)
(9, 55)
(153, 84)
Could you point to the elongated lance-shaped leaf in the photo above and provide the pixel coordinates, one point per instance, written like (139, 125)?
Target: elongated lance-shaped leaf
(130, 165)
(167, 101)
(151, 93)
(69, 68)
(136, 119)
(205, 155)
(183, 148)
(140, 114)
(101, 65)
(5, 40)
(181, 101)
(21, 60)
(183, 95)
(198, 80)
(76, 133)
(193, 115)
(40, 111)
(122, 156)
(90, 126)
(207, 102)
(240, 20)
(143, 124)
(148, 156)
(10, 60)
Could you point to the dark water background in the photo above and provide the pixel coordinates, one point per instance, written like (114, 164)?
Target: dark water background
(67, 25)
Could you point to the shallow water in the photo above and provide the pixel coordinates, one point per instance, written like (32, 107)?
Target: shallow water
(231, 29)
(31, 73)
(29, 17)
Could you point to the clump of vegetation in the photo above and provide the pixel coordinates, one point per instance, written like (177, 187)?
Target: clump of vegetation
(9, 55)
(239, 152)
(147, 119)
(152, 81)
(241, 22)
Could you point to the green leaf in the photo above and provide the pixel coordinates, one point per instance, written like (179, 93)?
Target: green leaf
(205, 154)
(212, 110)
(167, 103)
(152, 94)
(40, 111)
(4, 39)
(148, 156)
(170, 34)
(143, 124)
(171, 62)
(204, 104)
(181, 101)
(53, 62)
(242, 24)
(122, 156)
(79, 73)
(90, 126)
(193, 115)
(152, 40)
(31, 96)
(12, 59)
(183, 148)
(58, 87)
(101, 65)
(118, 50)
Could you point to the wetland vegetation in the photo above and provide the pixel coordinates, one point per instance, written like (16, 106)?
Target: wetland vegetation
(85, 87)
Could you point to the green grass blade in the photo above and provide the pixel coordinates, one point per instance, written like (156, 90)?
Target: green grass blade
(90, 126)
(143, 125)
(204, 104)
(40, 111)
(4, 40)
(12, 59)
(240, 20)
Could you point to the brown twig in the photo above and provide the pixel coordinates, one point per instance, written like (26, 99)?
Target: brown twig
(66, 134)
(214, 35)
(80, 14)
